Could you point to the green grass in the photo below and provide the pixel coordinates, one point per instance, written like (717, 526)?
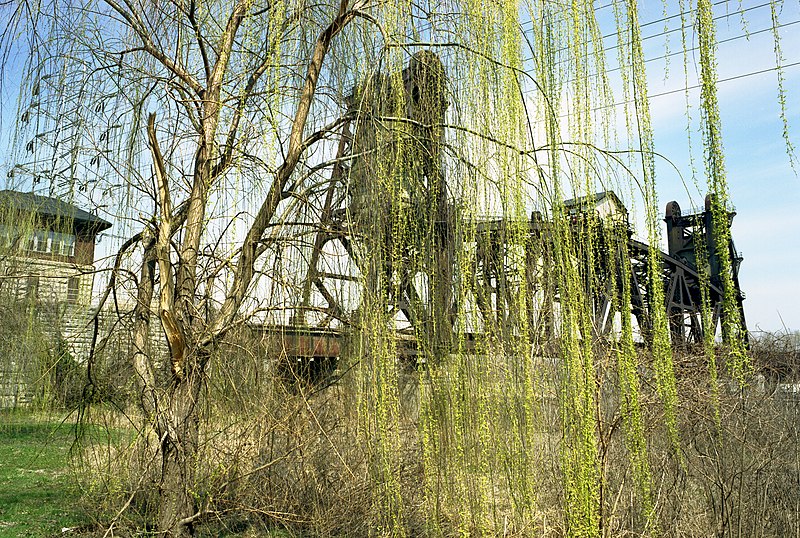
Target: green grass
(38, 496)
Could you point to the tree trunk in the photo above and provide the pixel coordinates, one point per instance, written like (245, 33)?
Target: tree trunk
(178, 491)
(173, 413)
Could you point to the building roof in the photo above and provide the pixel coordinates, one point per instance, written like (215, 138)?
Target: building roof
(594, 199)
(51, 207)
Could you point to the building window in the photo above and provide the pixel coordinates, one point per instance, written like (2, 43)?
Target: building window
(40, 241)
(57, 243)
(7, 236)
(63, 244)
(73, 289)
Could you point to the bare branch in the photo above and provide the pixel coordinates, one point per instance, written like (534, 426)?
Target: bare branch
(247, 258)
(172, 326)
(198, 35)
(151, 48)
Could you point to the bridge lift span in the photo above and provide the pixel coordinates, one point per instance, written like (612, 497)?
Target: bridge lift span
(398, 118)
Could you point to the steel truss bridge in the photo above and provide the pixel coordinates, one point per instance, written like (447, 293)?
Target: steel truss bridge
(508, 256)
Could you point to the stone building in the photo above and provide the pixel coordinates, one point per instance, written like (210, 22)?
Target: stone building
(47, 250)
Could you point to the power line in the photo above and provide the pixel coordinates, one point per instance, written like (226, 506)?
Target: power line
(692, 87)
(741, 12)
(666, 32)
(723, 41)
(728, 79)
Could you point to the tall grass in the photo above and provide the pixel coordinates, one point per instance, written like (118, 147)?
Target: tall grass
(477, 448)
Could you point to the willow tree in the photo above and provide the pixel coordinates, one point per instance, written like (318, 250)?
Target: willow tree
(208, 130)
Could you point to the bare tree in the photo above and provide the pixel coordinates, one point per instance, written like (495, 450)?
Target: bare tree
(165, 106)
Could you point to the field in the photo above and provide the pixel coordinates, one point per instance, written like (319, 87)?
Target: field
(279, 457)
(38, 494)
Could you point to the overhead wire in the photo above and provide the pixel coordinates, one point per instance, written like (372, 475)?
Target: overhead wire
(727, 79)
(666, 32)
(684, 88)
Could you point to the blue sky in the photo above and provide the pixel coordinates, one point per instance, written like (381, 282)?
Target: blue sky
(763, 187)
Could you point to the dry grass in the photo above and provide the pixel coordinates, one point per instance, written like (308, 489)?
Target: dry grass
(284, 457)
